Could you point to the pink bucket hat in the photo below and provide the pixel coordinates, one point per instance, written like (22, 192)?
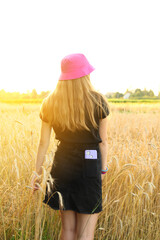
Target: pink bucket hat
(75, 66)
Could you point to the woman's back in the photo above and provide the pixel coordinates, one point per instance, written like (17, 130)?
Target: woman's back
(83, 135)
(74, 105)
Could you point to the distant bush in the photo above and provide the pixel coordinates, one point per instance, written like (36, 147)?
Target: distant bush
(142, 100)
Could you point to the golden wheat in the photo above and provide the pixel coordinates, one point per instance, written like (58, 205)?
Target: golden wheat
(131, 196)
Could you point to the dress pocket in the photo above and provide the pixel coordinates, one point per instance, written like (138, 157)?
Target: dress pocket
(91, 167)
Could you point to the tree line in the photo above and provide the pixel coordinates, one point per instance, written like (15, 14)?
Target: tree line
(137, 93)
(29, 95)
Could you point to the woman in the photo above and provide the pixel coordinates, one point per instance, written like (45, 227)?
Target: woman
(78, 115)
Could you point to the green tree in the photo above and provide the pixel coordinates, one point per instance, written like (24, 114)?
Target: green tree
(145, 92)
(34, 93)
(117, 95)
(137, 93)
(151, 93)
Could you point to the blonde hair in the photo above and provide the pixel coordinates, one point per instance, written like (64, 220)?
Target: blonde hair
(65, 106)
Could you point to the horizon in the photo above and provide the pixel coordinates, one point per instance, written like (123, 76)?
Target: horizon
(39, 92)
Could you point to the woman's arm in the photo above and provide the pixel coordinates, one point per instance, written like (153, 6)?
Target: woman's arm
(43, 145)
(42, 149)
(103, 145)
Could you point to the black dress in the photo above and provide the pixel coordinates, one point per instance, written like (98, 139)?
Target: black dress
(76, 170)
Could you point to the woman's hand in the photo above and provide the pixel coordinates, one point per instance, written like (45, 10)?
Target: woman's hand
(102, 176)
(34, 182)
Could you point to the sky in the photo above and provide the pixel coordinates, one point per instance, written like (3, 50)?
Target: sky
(121, 39)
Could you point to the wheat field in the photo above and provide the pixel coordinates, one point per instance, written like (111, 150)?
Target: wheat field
(131, 188)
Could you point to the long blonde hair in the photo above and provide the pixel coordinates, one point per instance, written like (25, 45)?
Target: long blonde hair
(65, 106)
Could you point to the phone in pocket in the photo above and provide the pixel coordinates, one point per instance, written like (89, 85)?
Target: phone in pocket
(90, 154)
(91, 163)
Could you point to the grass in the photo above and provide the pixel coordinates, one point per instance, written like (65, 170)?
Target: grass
(131, 197)
(112, 100)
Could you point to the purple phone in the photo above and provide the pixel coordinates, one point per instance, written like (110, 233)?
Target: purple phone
(90, 154)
